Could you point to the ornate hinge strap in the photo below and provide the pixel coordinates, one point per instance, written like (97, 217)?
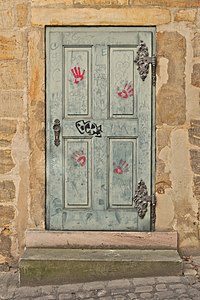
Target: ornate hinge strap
(143, 60)
(153, 212)
(141, 199)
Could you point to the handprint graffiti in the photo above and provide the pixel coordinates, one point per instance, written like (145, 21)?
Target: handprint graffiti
(79, 157)
(78, 76)
(121, 168)
(126, 92)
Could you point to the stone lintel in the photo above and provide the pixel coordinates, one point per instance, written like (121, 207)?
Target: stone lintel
(104, 16)
(99, 239)
(167, 3)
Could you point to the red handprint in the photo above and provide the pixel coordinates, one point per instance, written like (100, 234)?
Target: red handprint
(126, 92)
(78, 76)
(79, 157)
(121, 168)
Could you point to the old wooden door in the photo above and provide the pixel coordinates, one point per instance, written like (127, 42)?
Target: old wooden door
(98, 128)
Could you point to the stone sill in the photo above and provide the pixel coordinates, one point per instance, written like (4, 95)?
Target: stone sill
(101, 239)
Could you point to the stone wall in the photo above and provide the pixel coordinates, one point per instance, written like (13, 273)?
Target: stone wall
(22, 109)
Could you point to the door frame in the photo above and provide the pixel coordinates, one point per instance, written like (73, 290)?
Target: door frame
(153, 114)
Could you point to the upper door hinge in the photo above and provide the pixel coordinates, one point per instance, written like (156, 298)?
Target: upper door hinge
(141, 199)
(143, 60)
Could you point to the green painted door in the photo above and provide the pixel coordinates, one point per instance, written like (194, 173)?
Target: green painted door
(105, 112)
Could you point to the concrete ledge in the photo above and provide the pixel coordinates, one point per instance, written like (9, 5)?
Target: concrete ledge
(60, 266)
(99, 239)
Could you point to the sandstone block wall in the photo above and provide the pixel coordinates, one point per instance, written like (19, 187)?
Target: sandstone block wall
(22, 109)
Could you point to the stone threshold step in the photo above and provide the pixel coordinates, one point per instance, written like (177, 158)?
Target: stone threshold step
(101, 239)
(48, 266)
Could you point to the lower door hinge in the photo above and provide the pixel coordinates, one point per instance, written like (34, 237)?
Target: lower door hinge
(143, 60)
(142, 199)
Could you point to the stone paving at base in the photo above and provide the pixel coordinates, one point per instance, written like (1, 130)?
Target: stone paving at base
(172, 287)
(186, 287)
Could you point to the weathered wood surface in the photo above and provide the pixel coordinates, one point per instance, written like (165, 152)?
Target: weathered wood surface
(105, 111)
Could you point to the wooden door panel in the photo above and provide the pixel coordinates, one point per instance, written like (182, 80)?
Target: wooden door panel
(121, 82)
(77, 173)
(77, 81)
(105, 112)
(122, 172)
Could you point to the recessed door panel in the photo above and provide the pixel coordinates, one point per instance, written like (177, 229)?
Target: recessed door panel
(77, 81)
(122, 172)
(121, 82)
(77, 173)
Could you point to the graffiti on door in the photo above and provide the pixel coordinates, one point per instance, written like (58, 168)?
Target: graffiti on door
(89, 128)
(121, 168)
(79, 158)
(78, 76)
(126, 91)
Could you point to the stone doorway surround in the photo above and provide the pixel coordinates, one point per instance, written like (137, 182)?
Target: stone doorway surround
(70, 257)
(169, 213)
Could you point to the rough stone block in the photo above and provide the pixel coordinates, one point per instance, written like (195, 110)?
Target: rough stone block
(171, 99)
(194, 132)
(7, 214)
(6, 16)
(40, 139)
(5, 248)
(51, 2)
(7, 191)
(6, 161)
(2, 259)
(22, 14)
(167, 3)
(105, 16)
(187, 15)
(11, 45)
(36, 71)
(12, 75)
(195, 161)
(195, 77)
(165, 295)
(196, 187)
(196, 44)
(101, 2)
(38, 111)
(37, 191)
(162, 177)
(8, 129)
(143, 281)
(144, 289)
(163, 137)
(11, 104)
(37, 162)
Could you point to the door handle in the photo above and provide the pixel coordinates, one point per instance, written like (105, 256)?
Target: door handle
(56, 129)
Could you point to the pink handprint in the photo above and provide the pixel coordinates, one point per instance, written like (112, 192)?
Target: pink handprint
(79, 157)
(126, 92)
(121, 168)
(78, 76)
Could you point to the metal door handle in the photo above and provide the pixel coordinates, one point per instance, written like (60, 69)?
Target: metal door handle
(56, 128)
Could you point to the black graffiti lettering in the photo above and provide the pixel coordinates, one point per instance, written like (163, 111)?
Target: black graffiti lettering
(80, 125)
(89, 128)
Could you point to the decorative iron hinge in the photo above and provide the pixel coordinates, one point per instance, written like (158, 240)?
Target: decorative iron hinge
(141, 199)
(143, 60)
